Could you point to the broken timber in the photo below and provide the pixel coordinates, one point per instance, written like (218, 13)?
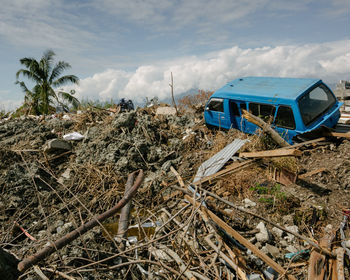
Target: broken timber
(266, 128)
(317, 262)
(272, 153)
(63, 241)
(242, 240)
(311, 173)
(234, 167)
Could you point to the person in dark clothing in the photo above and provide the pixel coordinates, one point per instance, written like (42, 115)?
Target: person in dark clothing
(126, 105)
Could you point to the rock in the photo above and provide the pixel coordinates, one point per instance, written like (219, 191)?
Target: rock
(270, 273)
(291, 237)
(57, 145)
(284, 243)
(274, 251)
(228, 211)
(291, 249)
(165, 111)
(248, 203)
(125, 120)
(263, 235)
(254, 276)
(59, 229)
(65, 176)
(278, 232)
(347, 243)
(287, 219)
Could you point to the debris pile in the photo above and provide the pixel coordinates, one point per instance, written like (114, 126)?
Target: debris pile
(211, 205)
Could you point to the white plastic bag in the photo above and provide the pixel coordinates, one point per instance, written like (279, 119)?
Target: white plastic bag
(73, 136)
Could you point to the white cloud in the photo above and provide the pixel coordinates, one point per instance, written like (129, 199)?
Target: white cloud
(102, 86)
(42, 23)
(328, 61)
(9, 104)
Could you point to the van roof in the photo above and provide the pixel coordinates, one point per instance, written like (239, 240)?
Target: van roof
(277, 89)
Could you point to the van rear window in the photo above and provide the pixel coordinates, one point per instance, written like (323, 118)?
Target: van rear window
(216, 104)
(314, 103)
(263, 111)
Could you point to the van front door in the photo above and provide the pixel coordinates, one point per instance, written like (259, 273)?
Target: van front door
(236, 118)
(214, 113)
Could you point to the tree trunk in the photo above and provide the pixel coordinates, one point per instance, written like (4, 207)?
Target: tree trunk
(266, 128)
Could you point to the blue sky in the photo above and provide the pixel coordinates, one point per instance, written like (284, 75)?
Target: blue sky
(128, 48)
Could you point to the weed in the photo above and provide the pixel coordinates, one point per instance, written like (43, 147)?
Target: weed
(270, 195)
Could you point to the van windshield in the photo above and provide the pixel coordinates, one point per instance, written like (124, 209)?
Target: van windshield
(315, 103)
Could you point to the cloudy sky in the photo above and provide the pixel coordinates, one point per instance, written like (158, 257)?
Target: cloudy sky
(129, 48)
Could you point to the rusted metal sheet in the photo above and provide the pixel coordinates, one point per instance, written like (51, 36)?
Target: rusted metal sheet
(216, 162)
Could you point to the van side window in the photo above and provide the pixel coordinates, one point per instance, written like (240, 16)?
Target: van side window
(243, 106)
(216, 104)
(234, 109)
(263, 111)
(285, 117)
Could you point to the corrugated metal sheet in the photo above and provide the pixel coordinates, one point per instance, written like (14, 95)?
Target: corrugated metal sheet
(216, 162)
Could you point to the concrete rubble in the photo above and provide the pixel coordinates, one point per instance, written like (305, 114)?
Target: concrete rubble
(243, 230)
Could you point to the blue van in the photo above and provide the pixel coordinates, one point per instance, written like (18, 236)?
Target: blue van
(292, 105)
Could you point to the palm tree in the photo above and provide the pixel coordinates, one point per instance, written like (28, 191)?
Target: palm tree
(46, 77)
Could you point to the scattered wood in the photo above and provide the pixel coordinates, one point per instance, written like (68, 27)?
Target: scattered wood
(239, 271)
(124, 215)
(266, 128)
(308, 240)
(305, 143)
(338, 134)
(242, 240)
(311, 173)
(317, 262)
(272, 153)
(282, 176)
(234, 167)
(63, 241)
(338, 264)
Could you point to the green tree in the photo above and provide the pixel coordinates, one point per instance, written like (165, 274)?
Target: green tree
(47, 76)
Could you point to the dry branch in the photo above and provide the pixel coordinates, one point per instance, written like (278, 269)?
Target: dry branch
(63, 241)
(124, 213)
(312, 243)
(243, 241)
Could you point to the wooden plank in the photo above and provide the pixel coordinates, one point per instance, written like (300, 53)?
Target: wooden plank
(311, 173)
(339, 134)
(314, 141)
(272, 153)
(234, 167)
(338, 264)
(282, 176)
(317, 262)
(242, 240)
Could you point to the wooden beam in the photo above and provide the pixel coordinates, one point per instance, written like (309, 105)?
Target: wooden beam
(317, 262)
(311, 173)
(338, 264)
(234, 167)
(339, 134)
(314, 141)
(242, 240)
(272, 153)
